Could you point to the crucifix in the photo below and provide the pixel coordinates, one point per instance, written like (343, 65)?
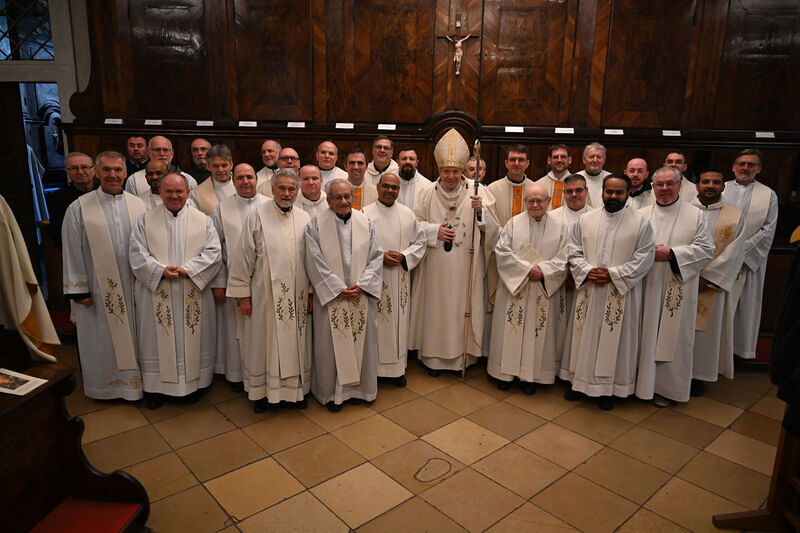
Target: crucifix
(458, 51)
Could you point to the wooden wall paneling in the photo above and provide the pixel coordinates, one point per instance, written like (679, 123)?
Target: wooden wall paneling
(760, 66)
(442, 90)
(273, 59)
(394, 64)
(568, 60)
(523, 55)
(602, 31)
(319, 57)
(582, 61)
(169, 59)
(221, 44)
(647, 67)
(339, 65)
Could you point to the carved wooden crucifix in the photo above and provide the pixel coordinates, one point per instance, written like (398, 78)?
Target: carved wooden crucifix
(458, 51)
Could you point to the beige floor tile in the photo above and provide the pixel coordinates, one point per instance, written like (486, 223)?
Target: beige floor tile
(519, 470)
(219, 391)
(318, 459)
(465, 440)
(413, 515)
(349, 414)
(420, 382)
(729, 480)
(390, 395)
(360, 494)
(709, 410)
(373, 436)
(623, 475)
(506, 420)
(472, 500)
(191, 510)
(753, 381)
(752, 453)
(163, 476)
(461, 399)
(240, 411)
(301, 513)
(193, 427)
(280, 432)
(417, 465)
(727, 392)
(106, 422)
(252, 488)
(220, 454)
(681, 427)
(420, 416)
(654, 449)
(690, 506)
(487, 386)
(594, 423)
(172, 407)
(771, 407)
(125, 449)
(584, 505)
(79, 404)
(758, 427)
(530, 518)
(646, 522)
(559, 445)
(546, 403)
(633, 410)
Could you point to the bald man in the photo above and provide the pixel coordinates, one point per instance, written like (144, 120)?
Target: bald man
(160, 148)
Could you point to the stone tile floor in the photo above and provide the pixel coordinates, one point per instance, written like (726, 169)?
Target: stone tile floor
(443, 454)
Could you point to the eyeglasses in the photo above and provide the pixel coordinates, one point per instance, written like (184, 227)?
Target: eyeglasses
(288, 158)
(383, 147)
(390, 187)
(81, 167)
(340, 197)
(161, 150)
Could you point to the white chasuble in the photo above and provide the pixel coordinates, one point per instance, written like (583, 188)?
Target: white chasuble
(210, 193)
(398, 230)
(176, 317)
(410, 190)
(270, 270)
(312, 207)
(364, 194)
(595, 186)
(670, 301)
(759, 205)
(339, 254)
(713, 341)
(442, 279)
(151, 200)
(372, 174)
(331, 174)
(137, 185)
(603, 333)
(110, 322)
(526, 319)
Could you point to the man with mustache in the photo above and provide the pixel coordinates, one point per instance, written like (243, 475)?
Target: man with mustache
(412, 183)
(159, 147)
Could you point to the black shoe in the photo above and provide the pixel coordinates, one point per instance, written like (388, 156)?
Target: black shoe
(260, 406)
(192, 398)
(333, 407)
(528, 388)
(236, 386)
(503, 385)
(573, 395)
(302, 404)
(434, 373)
(400, 381)
(698, 388)
(606, 403)
(153, 400)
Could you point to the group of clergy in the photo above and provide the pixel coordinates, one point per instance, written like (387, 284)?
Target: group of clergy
(615, 285)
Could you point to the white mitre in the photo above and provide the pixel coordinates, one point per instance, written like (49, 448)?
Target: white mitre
(451, 150)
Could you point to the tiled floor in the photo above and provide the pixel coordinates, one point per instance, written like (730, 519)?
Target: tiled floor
(443, 454)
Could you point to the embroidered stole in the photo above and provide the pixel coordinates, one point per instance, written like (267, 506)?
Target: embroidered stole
(107, 273)
(158, 243)
(672, 307)
(358, 193)
(724, 234)
(558, 194)
(516, 320)
(347, 317)
(283, 267)
(614, 302)
(206, 196)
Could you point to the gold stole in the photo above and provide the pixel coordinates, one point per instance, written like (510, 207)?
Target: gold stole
(672, 306)
(516, 311)
(283, 267)
(358, 192)
(614, 302)
(558, 194)
(158, 243)
(106, 271)
(724, 234)
(206, 196)
(347, 317)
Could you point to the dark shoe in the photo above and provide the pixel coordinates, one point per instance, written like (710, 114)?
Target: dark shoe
(660, 401)
(333, 407)
(528, 388)
(153, 400)
(401, 381)
(236, 386)
(260, 406)
(192, 398)
(503, 385)
(434, 373)
(606, 403)
(302, 404)
(573, 395)
(698, 388)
